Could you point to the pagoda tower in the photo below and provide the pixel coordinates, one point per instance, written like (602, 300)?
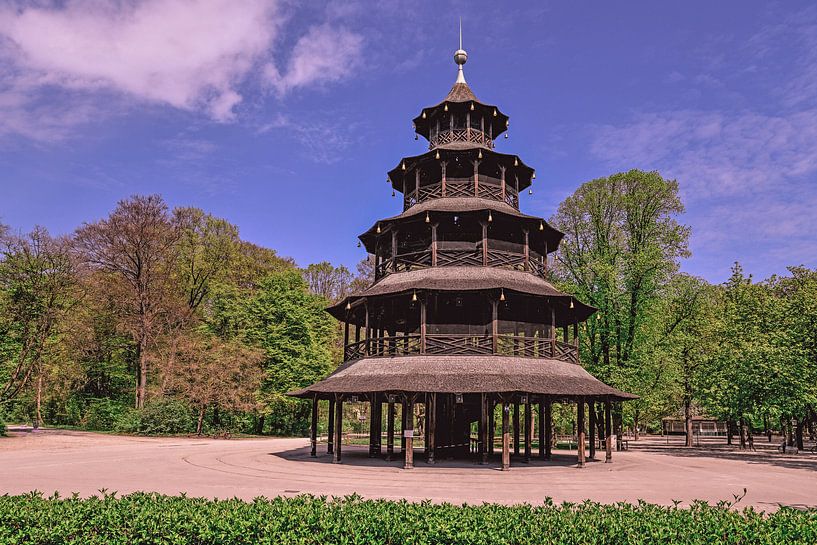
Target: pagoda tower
(461, 327)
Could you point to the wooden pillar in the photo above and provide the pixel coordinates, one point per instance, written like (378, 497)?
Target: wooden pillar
(431, 425)
(393, 249)
(528, 424)
(502, 181)
(390, 430)
(338, 427)
(408, 432)
(314, 430)
(402, 428)
(608, 432)
(494, 326)
(434, 244)
(541, 434)
(376, 425)
(442, 167)
(592, 430)
(491, 425)
(527, 249)
(580, 430)
(548, 428)
(484, 243)
(552, 330)
(345, 338)
(366, 328)
(476, 178)
(417, 185)
(516, 428)
(506, 437)
(485, 421)
(576, 336)
(422, 325)
(330, 432)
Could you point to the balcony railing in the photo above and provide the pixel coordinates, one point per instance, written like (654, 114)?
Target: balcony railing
(439, 344)
(459, 188)
(464, 137)
(446, 257)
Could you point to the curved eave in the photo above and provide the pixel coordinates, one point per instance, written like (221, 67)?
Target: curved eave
(397, 173)
(463, 375)
(468, 279)
(465, 205)
(499, 122)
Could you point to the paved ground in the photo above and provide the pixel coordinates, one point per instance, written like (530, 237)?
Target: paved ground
(651, 470)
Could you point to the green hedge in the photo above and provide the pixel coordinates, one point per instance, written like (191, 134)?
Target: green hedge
(152, 519)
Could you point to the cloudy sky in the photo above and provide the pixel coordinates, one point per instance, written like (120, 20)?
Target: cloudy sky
(284, 117)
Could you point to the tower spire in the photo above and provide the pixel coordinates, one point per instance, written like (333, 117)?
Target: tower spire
(460, 57)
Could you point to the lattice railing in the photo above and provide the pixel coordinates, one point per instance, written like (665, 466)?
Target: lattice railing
(463, 345)
(465, 136)
(461, 188)
(459, 258)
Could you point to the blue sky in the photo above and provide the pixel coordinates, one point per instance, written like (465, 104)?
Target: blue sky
(284, 117)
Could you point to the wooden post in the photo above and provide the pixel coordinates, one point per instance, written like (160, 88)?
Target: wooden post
(527, 249)
(431, 426)
(494, 326)
(422, 325)
(366, 328)
(516, 428)
(417, 185)
(548, 428)
(408, 433)
(402, 428)
(528, 424)
(338, 427)
(393, 249)
(484, 437)
(476, 178)
(345, 338)
(576, 336)
(608, 432)
(592, 430)
(552, 330)
(541, 434)
(491, 425)
(580, 430)
(314, 430)
(330, 432)
(506, 437)
(434, 244)
(502, 181)
(484, 243)
(390, 430)
(442, 166)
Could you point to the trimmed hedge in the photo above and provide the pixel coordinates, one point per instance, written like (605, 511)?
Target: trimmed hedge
(151, 518)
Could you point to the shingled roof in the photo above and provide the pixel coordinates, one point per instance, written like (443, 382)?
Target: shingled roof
(463, 374)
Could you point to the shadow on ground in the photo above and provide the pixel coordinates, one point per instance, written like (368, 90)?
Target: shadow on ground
(358, 456)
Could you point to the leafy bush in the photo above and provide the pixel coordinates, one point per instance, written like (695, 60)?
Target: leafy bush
(150, 518)
(2, 423)
(102, 414)
(164, 416)
(287, 416)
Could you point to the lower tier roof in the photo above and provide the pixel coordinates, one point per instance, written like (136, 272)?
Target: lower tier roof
(462, 375)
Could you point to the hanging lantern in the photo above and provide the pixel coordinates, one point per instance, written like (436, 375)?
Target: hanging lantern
(523, 400)
(541, 225)
(506, 135)
(446, 107)
(424, 114)
(428, 218)
(393, 193)
(494, 112)
(516, 161)
(533, 176)
(416, 136)
(437, 155)
(378, 228)
(348, 306)
(358, 244)
(490, 217)
(480, 154)
(502, 294)
(571, 302)
(530, 191)
(472, 106)
(414, 296)
(458, 398)
(403, 165)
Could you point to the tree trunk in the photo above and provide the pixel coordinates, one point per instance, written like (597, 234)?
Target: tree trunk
(142, 375)
(635, 425)
(200, 420)
(688, 421)
(798, 433)
(38, 418)
(259, 428)
(730, 428)
(789, 434)
(742, 430)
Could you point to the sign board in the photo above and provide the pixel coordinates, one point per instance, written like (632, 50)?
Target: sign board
(408, 433)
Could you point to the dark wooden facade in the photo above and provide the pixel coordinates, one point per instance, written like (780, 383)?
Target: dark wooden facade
(461, 319)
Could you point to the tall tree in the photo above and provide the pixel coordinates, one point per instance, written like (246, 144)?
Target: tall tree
(136, 244)
(37, 281)
(622, 243)
(330, 282)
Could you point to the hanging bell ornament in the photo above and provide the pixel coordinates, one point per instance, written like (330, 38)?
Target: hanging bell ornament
(348, 306)
(472, 106)
(393, 193)
(534, 175)
(490, 217)
(446, 107)
(571, 303)
(516, 161)
(495, 112)
(414, 296)
(530, 191)
(403, 165)
(541, 226)
(358, 244)
(437, 155)
(378, 228)
(424, 115)
(502, 295)
(480, 154)
(428, 218)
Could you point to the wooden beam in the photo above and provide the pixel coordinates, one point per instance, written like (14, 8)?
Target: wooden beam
(506, 437)
(608, 432)
(408, 433)
(314, 430)
(592, 429)
(330, 440)
(580, 430)
(338, 427)
(431, 419)
(548, 428)
(528, 424)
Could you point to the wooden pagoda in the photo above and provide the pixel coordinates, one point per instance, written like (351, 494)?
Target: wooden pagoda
(460, 317)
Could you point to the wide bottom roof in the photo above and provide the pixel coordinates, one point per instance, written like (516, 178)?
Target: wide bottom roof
(463, 374)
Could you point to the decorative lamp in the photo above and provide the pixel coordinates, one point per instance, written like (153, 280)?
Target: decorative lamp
(428, 218)
(414, 296)
(502, 294)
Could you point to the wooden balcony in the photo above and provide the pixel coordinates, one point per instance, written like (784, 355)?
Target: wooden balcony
(462, 345)
(460, 257)
(462, 188)
(460, 138)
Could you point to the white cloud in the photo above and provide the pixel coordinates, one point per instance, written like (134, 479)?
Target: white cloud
(192, 55)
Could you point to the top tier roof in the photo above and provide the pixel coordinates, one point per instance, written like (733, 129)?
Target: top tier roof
(459, 99)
